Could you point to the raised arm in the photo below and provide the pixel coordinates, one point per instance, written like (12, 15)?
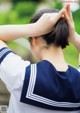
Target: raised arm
(74, 37)
(12, 32)
(42, 26)
(76, 41)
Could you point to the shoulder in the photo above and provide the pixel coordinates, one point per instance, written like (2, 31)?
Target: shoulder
(79, 68)
(73, 69)
(2, 44)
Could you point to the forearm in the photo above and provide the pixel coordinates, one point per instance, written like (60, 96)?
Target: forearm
(12, 32)
(43, 26)
(76, 41)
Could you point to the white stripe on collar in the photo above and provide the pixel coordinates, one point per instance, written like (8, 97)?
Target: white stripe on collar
(41, 99)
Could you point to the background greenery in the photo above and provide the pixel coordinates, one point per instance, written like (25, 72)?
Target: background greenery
(21, 13)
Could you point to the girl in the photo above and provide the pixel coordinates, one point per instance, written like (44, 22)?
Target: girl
(50, 85)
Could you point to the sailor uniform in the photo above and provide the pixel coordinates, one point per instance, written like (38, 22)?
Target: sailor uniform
(47, 88)
(39, 88)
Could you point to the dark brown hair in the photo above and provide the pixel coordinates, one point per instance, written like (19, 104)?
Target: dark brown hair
(59, 35)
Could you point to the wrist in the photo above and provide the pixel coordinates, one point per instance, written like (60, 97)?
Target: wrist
(73, 37)
(34, 30)
(37, 30)
(29, 30)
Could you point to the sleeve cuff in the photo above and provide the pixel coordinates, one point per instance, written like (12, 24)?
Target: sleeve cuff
(3, 53)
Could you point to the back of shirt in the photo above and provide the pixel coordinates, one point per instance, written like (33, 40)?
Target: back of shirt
(48, 88)
(39, 88)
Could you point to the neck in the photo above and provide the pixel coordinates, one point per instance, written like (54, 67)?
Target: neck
(56, 57)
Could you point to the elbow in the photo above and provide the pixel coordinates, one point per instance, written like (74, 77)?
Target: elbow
(3, 39)
(3, 44)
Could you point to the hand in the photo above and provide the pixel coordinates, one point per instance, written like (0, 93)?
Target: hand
(74, 38)
(69, 19)
(47, 21)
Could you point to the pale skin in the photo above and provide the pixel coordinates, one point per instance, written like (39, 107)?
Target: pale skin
(38, 47)
(12, 32)
(74, 38)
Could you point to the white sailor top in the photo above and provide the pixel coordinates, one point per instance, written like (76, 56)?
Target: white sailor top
(42, 85)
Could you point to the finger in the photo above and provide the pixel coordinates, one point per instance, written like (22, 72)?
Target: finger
(69, 12)
(60, 14)
(67, 7)
(68, 19)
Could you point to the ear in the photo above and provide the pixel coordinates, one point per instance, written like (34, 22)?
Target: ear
(35, 41)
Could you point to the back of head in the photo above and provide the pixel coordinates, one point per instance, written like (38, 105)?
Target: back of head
(59, 35)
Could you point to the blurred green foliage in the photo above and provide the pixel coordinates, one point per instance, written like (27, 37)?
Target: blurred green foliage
(16, 1)
(20, 13)
(23, 11)
(25, 8)
(58, 5)
(76, 17)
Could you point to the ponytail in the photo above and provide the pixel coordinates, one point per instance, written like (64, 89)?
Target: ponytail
(60, 33)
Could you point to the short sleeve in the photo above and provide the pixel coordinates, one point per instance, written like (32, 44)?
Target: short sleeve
(79, 68)
(12, 68)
